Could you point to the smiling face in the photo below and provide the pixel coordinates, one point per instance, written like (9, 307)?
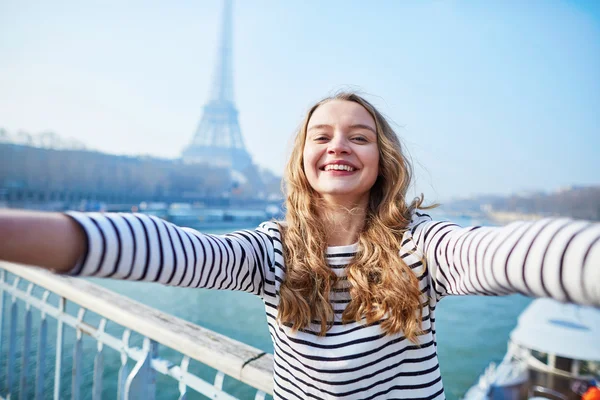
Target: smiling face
(341, 154)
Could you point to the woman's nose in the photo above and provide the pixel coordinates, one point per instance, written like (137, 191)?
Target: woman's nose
(339, 146)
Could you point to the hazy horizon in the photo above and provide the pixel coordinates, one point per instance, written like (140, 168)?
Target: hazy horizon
(488, 98)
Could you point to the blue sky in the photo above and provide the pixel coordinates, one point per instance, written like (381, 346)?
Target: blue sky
(489, 97)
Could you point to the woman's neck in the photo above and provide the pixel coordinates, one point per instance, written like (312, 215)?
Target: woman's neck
(343, 222)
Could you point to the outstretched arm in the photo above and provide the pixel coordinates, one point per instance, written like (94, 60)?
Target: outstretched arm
(558, 258)
(145, 248)
(49, 240)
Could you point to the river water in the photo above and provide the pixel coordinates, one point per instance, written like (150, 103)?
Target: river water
(472, 332)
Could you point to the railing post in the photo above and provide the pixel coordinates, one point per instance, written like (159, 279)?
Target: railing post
(141, 382)
(124, 370)
(12, 341)
(185, 363)
(219, 378)
(40, 374)
(99, 365)
(59, 345)
(260, 395)
(26, 346)
(77, 356)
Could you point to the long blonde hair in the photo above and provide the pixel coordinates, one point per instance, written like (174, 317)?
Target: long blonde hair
(382, 285)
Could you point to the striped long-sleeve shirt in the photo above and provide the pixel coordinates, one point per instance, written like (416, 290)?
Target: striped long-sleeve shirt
(556, 258)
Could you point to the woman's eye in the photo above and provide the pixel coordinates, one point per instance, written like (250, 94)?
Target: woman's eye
(320, 138)
(360, 139)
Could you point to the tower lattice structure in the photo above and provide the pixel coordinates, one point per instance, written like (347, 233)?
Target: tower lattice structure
(218, 139)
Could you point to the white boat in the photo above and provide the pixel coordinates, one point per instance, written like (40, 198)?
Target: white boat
(553, 353)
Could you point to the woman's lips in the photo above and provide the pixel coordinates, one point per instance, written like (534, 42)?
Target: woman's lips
(339, 172)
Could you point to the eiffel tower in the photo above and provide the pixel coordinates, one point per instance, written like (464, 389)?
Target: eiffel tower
(218, 140)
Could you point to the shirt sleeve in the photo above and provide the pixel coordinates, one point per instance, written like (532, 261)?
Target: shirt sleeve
(140, 247)
(557, 258)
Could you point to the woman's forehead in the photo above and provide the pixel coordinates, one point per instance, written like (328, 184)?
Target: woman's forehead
(335, 112)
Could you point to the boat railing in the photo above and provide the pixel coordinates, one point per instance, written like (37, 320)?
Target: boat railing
(546, 393)
(145, 331)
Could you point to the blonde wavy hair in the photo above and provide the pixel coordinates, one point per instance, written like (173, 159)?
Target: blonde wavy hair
(382, 287)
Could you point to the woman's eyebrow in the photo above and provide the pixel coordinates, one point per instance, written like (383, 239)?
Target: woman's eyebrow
(361, 126)
(320, 126)
(355, 126)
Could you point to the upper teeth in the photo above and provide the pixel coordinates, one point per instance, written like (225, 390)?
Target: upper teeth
(338, 167)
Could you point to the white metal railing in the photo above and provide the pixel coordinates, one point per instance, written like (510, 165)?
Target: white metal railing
(229, 357)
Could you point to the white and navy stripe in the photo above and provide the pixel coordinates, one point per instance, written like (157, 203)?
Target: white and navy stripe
(145, 248)
(556, 258)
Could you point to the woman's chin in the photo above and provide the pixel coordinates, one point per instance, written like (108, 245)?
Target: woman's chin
(342, 195)
(337, 191)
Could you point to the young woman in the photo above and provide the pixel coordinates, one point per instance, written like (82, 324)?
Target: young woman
(350, 279)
